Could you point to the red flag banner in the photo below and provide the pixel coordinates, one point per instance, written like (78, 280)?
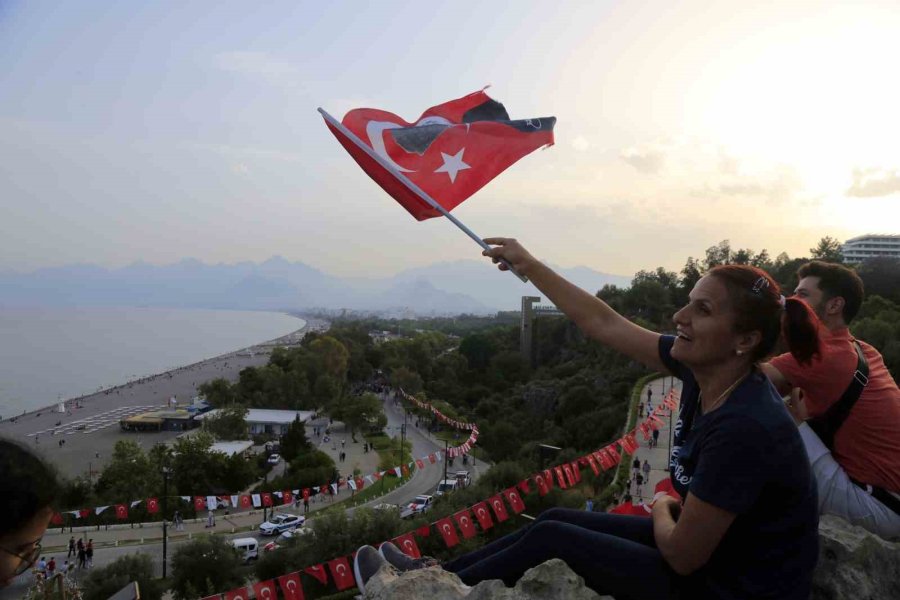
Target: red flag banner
(593, 464)
(121, 511)
(56, 519)
(628, 508)
(199, 503)
(450, 152)
(291, 587)
(523, 485)
(423, 531)
(419, 463)
(287, 497)
(246, 501)
(317, 571)
(542, 485)
(560, 477)
(152, 506)
(265, 590)
(431, 458)
(499, 509)
(570, 477)
(628, 443)
(267, 499)
(306, 493)
(237, 594)
(464, 519)
(576, 471)
(483, 515)
(407, 544)
(515, 500)
(448, 532)
(341, 573)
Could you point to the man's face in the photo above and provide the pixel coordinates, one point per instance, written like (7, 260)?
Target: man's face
(808, 290)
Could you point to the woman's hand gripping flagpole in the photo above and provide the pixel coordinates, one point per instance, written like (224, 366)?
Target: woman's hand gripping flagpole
(415, 188)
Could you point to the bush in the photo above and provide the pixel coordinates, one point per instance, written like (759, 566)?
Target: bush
(205, 566)
(103, 582)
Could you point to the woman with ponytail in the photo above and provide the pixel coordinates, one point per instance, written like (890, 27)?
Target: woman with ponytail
(748, 525)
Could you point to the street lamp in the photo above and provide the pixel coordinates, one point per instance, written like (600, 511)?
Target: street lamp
(166, 473)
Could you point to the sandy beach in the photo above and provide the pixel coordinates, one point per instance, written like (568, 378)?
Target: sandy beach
(90, 425)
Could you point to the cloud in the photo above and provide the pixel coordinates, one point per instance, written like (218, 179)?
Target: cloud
(261, 65)
(581, 143)
(244, 152)
(240, 169)
(648, 159)
(873, 183)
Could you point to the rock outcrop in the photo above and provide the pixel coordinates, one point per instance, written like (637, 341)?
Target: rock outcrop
(852, 564)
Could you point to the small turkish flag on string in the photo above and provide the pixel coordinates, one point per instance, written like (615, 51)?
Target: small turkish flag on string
(245, 501)
(267, 499)
(576, 471)
(570, 477)
(121, 511)
(265, 590)
(499, 509)
(645, 430)
(542, 485)
(152, 506)
(464, 519)
(448, 532)
(290, 586)
(593, 464)
(419, 463)
(606, 462)
(341, 573)
(85, 512)
(317, 571)
(360, 482)
(523, 485)
(287, 497)
(306, 493)
(407, 544)
(423, 531)
(560, 477)
(199, 503)
(405, 470)
(483, 515)
(515, 500)
(629, 444)
(237, 594)
(548, 478)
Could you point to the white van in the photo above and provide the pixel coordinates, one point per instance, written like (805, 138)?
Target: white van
(248, 548)
(446, 486)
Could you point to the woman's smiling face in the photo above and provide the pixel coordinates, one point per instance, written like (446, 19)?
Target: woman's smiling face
(705, 326)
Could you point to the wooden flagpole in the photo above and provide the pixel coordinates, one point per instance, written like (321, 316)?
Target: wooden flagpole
(415, 188)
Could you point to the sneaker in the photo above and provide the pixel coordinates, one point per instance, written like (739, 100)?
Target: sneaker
(367, 562)
(397, 559)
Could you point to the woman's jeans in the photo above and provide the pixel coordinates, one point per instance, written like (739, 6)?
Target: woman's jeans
(615, 554)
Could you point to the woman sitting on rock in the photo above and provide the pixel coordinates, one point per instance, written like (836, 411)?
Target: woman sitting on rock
(748, 524)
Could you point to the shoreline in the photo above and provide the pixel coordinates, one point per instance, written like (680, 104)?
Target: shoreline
(289, 339)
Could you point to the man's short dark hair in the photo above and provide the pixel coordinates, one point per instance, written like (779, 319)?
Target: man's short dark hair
(837, 281)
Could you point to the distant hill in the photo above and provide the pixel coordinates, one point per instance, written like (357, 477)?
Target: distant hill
(278, 284)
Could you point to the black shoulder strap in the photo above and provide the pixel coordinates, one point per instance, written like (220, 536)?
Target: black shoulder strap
(827, 425)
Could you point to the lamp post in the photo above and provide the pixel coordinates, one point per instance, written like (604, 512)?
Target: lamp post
(446, 458)
(166, 473)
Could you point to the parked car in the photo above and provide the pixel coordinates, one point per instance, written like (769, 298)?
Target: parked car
(419, 504)
(274, 459)
(247, 548)
(463, 478)
(446, 486)
(280, 523)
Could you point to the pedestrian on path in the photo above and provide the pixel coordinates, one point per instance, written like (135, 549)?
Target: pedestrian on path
(638, 482)
(305, 505)
(211, 519)
(655, 438)
(89, 553)
(589, 505)
(51, 567)
(646, 470)
(82, 556)
(72, 551)
(636, 465)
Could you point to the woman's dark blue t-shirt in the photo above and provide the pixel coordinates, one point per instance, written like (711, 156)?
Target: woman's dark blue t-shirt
(747, 458)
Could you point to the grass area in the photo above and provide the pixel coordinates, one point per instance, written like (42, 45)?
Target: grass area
(371, 492)
(389, 450)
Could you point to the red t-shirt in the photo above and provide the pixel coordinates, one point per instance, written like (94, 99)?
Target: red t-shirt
(867, 445)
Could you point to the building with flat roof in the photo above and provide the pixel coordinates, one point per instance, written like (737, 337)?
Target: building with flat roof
(264, 420)
(231, 448)
(871, 245)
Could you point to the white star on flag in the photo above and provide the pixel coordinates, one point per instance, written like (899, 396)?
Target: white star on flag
(452, 165)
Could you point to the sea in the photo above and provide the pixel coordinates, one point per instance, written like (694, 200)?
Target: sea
(53, 354)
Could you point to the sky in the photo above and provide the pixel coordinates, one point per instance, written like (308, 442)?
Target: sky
(158, 131)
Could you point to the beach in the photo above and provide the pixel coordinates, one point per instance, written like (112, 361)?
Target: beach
(89, 427)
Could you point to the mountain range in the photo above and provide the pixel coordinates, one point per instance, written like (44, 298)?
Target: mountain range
(464, 286)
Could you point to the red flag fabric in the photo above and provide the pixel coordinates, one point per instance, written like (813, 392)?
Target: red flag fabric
(265, 590)
(448, 532)
(419, 463)
(56, 519)
(499, 508)
(237, 594)
(213, 597)
(570, 476)
(199, 503)
(629, 508)
(287, 497)
(152, 506)
(405, 470)
(576, 471)
(665, 487)
(317, 571)
(560, 477)
(423, 531)
(483, 515)
(246, 501)
(291, 587)
(515, 500)
(628, 443)
(267, 499)
(407, 544)
(592, 463)
(121, 511)
(542, 485)
(84, 512)
(360, 483)
(523, 485)
(464, 519)
(451, 151)
(341, 573)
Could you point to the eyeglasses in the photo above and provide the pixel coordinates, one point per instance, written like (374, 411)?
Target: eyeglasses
(27, 559)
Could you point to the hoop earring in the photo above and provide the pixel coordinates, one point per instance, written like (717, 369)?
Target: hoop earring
(739, 352)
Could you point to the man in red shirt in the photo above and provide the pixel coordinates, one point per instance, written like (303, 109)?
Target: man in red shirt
(866, 451)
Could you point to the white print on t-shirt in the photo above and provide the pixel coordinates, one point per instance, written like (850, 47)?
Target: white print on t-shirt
(674, 465)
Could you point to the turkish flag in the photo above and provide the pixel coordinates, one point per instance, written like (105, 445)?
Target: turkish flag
(265, 590)
(592, 462)
(245, 501)
(543, 486)
(665, 487)
(407, 543)
(152, 506)
(85, 512)
(523, 485)
(377, 475)
(450, 152)
(548, 478)
(287, 497)
(341, 573)
(423, 531)
(431, 458)
(56, 519)
(360, 483)
(317, 571)
(267, 499)
(306, 493)
(448, 532)
(499, 508)
(464, 519)
(237, 594)
(199, 503)
(483, 515)
(576, 471)
(515, 500)
(560, 478)
(419, 463)
(405, 470)
(121, 511)
(628, 508)
(628, 443)
(570, 477)
(290, 586)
